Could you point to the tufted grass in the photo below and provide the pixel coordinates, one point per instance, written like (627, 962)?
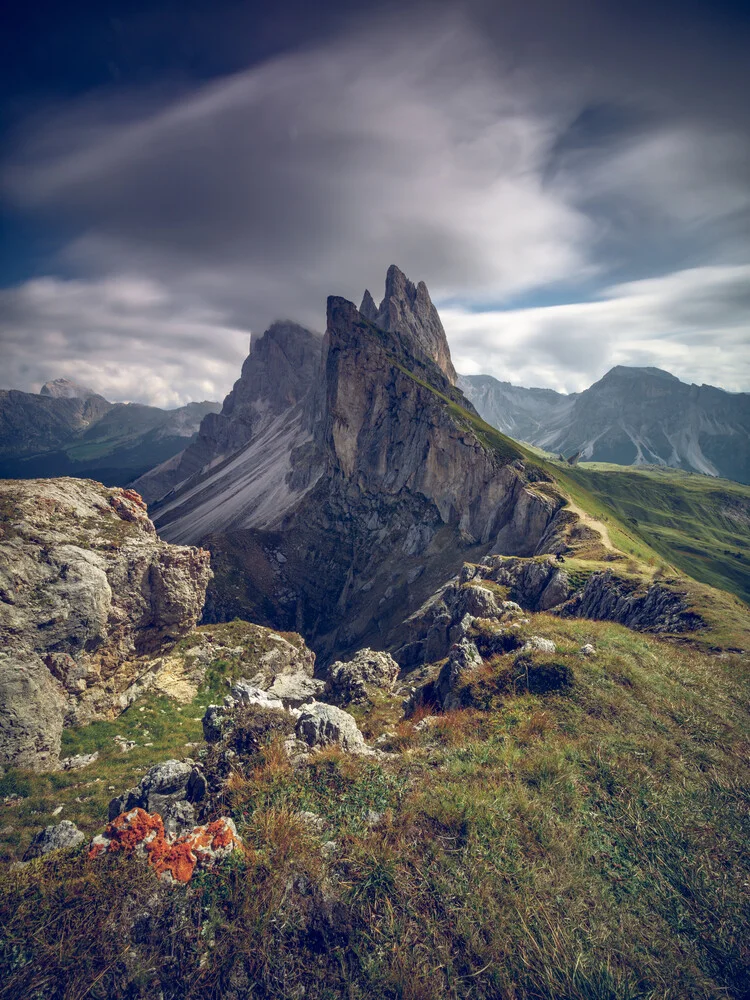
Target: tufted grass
(584, 843)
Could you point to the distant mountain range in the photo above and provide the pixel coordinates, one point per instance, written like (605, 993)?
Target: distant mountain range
(631, 416)
(69, 430)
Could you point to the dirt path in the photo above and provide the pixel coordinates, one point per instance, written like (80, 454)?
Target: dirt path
(594, 524)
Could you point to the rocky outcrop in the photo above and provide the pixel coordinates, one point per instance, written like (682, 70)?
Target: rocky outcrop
(176, 790)
(321, 725)
(654, 608)
(407, 309)
(87, 591)
(355, 680)
(62, 836)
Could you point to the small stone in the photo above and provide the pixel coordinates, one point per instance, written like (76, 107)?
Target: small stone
(587, 650)
(538, 644)
(54, 838)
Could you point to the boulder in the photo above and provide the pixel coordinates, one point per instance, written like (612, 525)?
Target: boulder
(479, 601)
(322, 725)
(175, 790)
(463, 658)
(87, 591)
(63, 836)
(536, 643)
(353, 680)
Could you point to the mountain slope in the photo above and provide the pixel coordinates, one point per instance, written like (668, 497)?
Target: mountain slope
(630, 416)
(352, 504)
(68, 430)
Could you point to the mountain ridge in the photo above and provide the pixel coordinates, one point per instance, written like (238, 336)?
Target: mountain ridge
(630, 416)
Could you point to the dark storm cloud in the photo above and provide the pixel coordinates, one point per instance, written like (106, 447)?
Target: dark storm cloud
(485, 155)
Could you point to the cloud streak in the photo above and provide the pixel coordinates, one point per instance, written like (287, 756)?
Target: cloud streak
(197, 217)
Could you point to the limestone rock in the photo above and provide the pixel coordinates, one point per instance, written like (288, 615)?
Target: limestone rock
(654, 608)
(536, 643)
(407, 309)
(463, 658)
(218, 717)
(63, 836)
(175, 790)
(352, 680)
(87, 589)
(587, 650)
(322, 725)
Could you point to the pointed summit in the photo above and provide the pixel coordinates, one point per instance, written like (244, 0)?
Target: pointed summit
(407, 309)
(66, 388)
(368, 308)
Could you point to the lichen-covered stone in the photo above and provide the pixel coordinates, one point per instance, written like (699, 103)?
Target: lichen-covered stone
(174, 789)
(174, 858)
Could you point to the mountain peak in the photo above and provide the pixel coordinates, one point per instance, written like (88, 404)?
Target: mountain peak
(407, 309)
(66, 388)
(368, 308)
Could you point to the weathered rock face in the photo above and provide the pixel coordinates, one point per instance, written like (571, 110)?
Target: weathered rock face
(353, 681)
(407, 309)
(276, 378)
(647, 609)
(86, 589)
(63, 836)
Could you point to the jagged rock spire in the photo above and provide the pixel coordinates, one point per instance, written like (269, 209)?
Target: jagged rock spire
(368, 308)
(407, 309)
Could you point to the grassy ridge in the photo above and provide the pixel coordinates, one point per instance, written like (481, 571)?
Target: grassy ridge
(699, 524)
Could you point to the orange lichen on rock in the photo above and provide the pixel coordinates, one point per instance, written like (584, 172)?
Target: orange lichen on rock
(175, 858)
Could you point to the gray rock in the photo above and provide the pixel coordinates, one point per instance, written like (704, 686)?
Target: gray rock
(463, 658)
(538, 644)
(479, 601)
(322, 725)
(352, 681)
(87, 589)
(587, 650)
(175, 790)
(296, 689)
(63, 836)
(78, 761)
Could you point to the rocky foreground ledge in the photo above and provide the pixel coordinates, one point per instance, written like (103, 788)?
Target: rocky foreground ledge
(87, 591)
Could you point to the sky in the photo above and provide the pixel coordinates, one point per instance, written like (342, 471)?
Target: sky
(572, 182)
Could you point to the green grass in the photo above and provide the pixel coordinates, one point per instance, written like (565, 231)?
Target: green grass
(699, 524)
(583, 844)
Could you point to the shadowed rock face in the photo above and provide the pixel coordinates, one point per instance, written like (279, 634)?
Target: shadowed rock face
(86, 588)
(347, 509)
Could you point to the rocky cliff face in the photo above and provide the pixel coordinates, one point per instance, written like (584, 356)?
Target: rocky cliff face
(407, 309)
(350, 504)
(86, 589)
